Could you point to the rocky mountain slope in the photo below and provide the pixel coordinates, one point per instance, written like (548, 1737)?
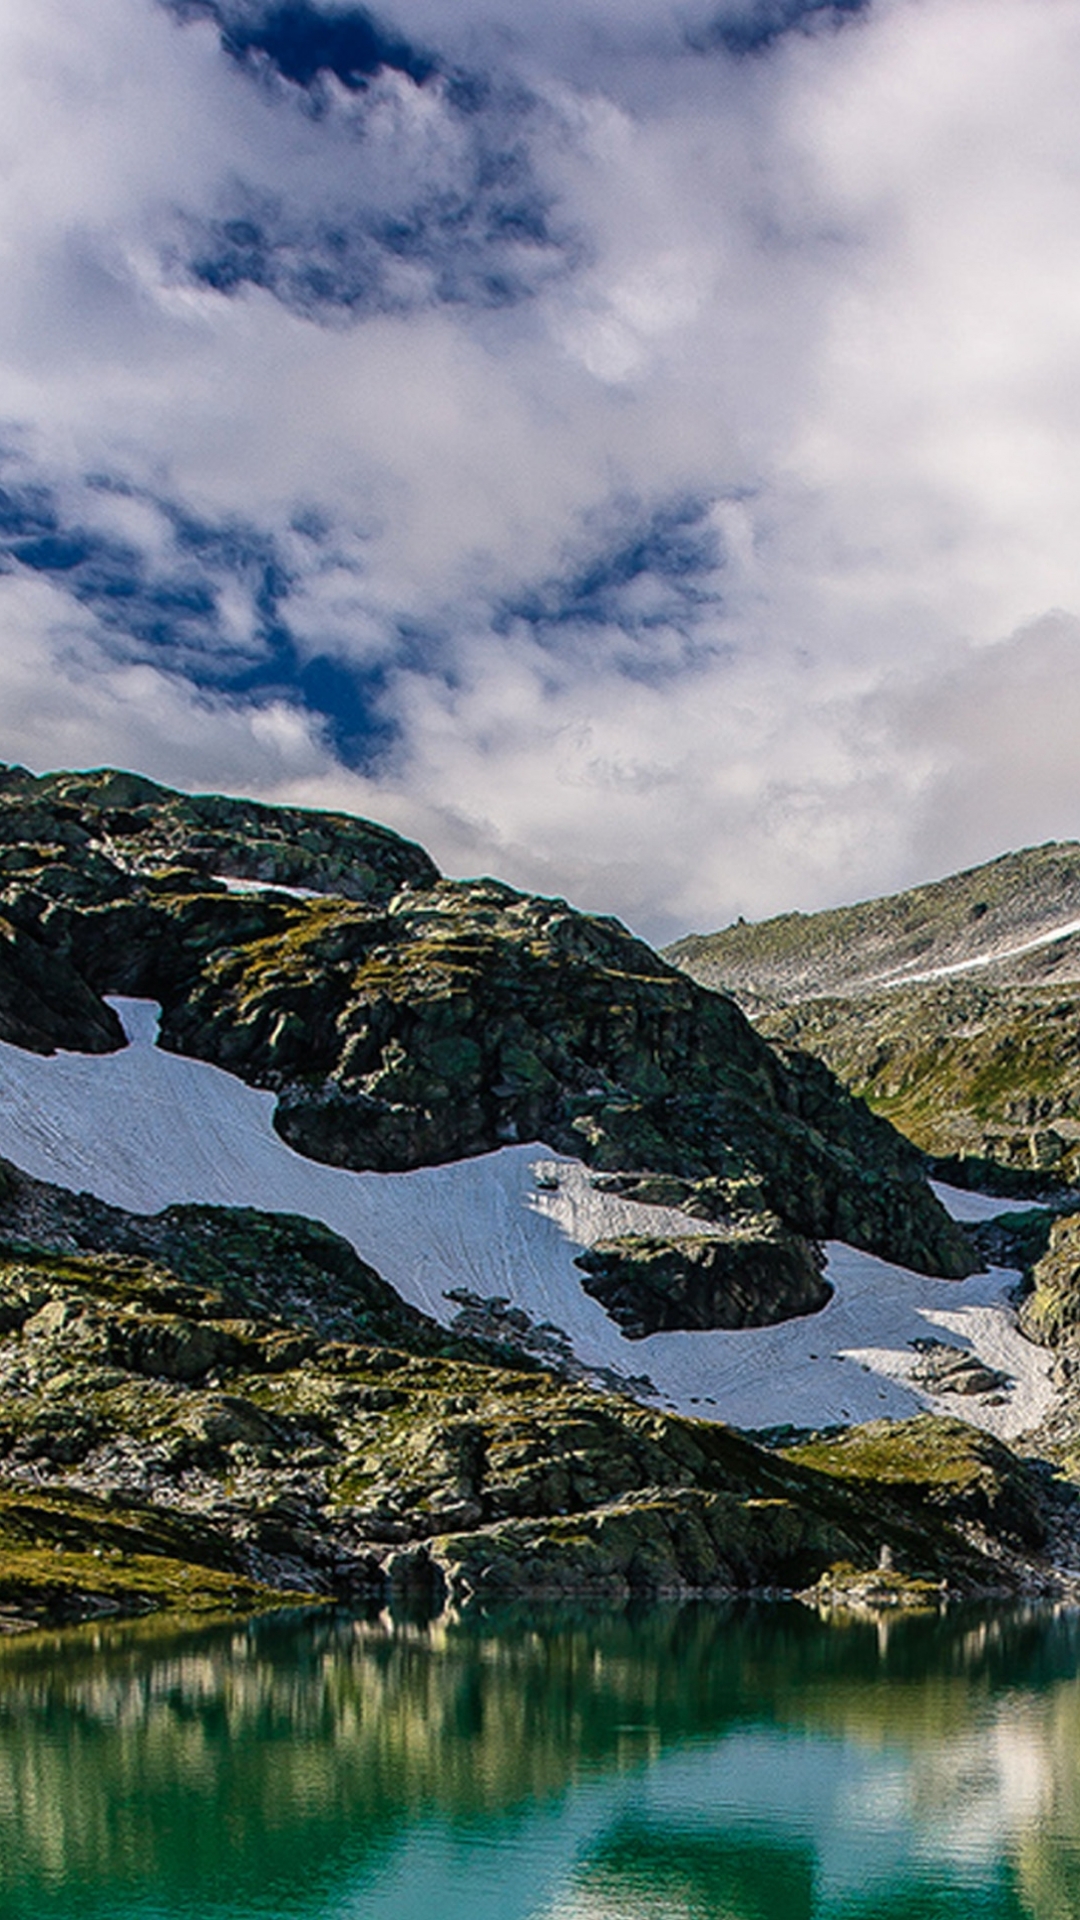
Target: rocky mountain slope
(215, 1407)
(953, 1010)
(403, 1020)
(204, 1406)
(1013, 920)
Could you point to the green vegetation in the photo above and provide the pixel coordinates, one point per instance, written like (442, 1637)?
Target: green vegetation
(966, 1072)
(1051, 1311)
(979, 1069)
(212, 1407)
(934, 1462)
(65, 1555)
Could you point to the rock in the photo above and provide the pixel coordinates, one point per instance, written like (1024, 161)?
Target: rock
(403, 1020)
(310, 1462)
(848, 1589)
(656, 1543)
(946, 1369)
(1051, 1311)
(168, 1347)
(651, 1285)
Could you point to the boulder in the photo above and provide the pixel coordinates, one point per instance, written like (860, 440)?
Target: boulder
(700, 1281)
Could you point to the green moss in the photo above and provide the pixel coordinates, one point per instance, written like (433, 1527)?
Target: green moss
(924, 1452)
(934, 1463)
(65, 1556)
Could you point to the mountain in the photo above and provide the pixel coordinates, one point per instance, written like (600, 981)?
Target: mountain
(1014, 920)
(952, 1009)
(349, 1271)
(403, 1020)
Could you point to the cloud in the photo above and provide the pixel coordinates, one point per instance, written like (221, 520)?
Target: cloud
(995, 732)
(612, 441)
(65, 702)
(415, 187)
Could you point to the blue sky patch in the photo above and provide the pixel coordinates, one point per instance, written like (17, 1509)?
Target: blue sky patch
(302, 42)
(754, 27)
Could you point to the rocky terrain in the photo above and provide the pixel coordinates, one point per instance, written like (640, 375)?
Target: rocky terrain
(953, 1010)
(403, 1020)
(213, 1406)
(217, 1408)
(1016, 919)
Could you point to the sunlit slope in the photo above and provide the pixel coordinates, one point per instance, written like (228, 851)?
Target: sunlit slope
(1016, 918)
(980, 1073)
(953, 1009)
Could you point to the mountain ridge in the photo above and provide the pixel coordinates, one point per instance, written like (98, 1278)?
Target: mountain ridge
(952, 1009)
(1016, 917)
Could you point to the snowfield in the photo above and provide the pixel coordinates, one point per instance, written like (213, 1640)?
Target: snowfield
(144, 1129)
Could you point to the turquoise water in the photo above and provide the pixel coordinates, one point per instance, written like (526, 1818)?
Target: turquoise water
(696, 1764)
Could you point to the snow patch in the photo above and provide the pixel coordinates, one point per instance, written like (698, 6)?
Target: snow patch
(143, 1129)
(963, 1205)
(233, 885)
(894, 979)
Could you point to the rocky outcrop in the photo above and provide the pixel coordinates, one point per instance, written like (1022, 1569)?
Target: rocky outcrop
(1051, 1311)
(404, 1021)
(699, 1281)
(209, 1408)
(938, 1464)
(108, 823)
(942, 1368)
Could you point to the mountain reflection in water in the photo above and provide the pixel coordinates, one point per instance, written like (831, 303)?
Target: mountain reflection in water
(699, 1763)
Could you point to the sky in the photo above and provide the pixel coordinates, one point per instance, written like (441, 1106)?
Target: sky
(631, 446)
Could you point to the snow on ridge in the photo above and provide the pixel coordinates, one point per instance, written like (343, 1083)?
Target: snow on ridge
(962, 1204)
(143, 1129)
(233, 885)
(895, 979)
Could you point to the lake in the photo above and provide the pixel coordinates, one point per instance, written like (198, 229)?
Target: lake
(727, 1763)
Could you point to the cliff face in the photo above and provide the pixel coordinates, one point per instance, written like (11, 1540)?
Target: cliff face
(403, 1020)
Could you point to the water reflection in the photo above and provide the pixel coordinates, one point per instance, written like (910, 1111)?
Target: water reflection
(749, 1764)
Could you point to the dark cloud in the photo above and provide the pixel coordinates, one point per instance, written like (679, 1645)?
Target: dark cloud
(752, 26)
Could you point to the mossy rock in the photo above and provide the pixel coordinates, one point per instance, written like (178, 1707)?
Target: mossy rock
(696, 1281)
(405, 1021)
(316, 1458)
(1051, 1311)
(937, 1462)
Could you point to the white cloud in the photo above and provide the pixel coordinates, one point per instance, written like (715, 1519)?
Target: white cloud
(831, 291)
(65, 704)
